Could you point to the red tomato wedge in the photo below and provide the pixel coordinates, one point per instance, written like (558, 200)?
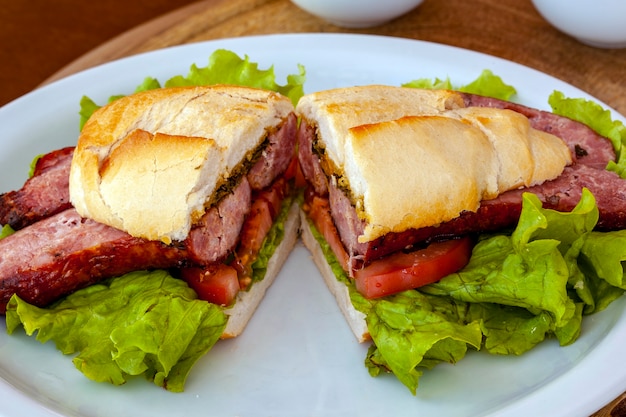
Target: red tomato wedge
(264, 210)
(404, 271)
(397, 272)
(217, 284)
(294, 170)
(318, 210)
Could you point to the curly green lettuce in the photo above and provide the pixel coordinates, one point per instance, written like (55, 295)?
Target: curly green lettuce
(148, 323)
(143, 323)
(224, 67)
(518, 289)
(486, 84)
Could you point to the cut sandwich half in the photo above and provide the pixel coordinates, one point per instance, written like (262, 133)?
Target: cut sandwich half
(202, 167)
(188, 179)
(387, 167)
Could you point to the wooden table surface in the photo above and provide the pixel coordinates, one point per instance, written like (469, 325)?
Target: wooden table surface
(44, 40)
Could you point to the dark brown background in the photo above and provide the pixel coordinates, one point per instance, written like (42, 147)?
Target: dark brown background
(39, 37)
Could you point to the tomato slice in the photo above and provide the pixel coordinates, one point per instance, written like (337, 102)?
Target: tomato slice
(318, 210)
(274, 195)
(263, 211)
(294, 171)
(217, 283)
(397, 272)
(258, 223)
(404, 271)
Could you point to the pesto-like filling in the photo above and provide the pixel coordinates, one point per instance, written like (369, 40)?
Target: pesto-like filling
(336, 175)
(226, 185)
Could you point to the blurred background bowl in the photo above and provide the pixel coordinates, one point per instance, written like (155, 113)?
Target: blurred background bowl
(599, 23)
(357, 13)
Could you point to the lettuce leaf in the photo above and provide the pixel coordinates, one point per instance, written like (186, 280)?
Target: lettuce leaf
(510, 330)
(33, 165)
(516, 291)
(531, 269)
(434, 84)
(486, 84)
(5, 231)
(143, 323)
(224, 67)
(603, 258)
(412, 330)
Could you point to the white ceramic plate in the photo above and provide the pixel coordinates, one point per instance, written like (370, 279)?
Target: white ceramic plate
(298, 357)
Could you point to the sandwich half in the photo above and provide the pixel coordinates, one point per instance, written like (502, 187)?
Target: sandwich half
(201, 164)
(188, 179)
(389, 167)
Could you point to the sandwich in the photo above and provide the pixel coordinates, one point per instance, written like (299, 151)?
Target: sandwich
(429, 213)
(421, 211)
(165, 179)
(391, 160)
(198, 162)
(190, 180)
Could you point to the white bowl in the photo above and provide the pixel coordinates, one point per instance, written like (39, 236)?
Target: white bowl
(600, 23)
(357, 13)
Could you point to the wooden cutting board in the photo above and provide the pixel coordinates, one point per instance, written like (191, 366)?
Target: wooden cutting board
(510, 29)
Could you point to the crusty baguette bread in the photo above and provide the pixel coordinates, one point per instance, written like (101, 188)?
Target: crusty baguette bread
(355, 319)
(526, 156)
(247, 301)
(418, 165)
(337, 110)
(127, 170)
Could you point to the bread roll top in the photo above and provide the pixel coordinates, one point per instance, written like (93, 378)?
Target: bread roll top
(337, 110)
(427, 158)
(150, 163)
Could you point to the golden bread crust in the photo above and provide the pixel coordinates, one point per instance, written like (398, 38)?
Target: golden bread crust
(148, 163)
(334, 111)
